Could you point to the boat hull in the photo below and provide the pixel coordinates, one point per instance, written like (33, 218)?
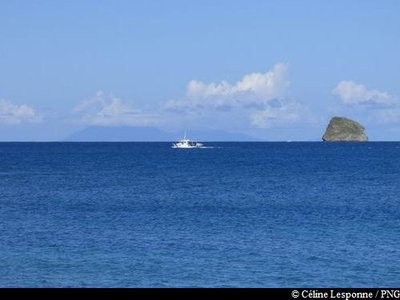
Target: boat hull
(186, 147)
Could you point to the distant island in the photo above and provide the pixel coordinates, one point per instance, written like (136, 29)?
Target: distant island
(342, 129)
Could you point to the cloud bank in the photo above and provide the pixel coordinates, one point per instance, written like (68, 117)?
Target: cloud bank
(257, 100)
(11, 113)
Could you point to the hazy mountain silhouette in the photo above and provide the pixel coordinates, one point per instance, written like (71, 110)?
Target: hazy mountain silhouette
(150, 134)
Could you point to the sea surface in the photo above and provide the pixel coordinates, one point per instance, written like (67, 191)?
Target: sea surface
(235, 215)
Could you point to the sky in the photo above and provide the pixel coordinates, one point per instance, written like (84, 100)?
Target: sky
(275, 70)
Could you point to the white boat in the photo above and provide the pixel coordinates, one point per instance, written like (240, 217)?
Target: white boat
(186, 144)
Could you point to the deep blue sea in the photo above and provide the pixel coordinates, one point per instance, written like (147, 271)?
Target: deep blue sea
(236, 215)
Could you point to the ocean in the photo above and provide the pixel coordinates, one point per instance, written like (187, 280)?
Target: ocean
(234, 215)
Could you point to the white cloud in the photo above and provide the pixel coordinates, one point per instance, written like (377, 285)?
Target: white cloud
(252, 90)
(257, 100)
(352, 93)
(267, 85)
(11, 113)
(107, 110)
(377, 106)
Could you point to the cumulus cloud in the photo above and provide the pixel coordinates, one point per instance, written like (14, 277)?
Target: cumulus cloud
(11, 113)
(257, 100)
(374, 105)
(108, 110)
(254, 89)
(352, 93)
(266, 85)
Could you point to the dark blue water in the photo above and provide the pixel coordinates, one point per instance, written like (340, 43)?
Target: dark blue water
(238, 215)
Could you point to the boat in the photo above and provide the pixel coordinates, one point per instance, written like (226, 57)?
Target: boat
(186, 143)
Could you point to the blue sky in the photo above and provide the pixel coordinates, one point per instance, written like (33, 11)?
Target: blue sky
(277, 70)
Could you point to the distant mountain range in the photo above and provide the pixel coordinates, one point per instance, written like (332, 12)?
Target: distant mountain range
(151, 134)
